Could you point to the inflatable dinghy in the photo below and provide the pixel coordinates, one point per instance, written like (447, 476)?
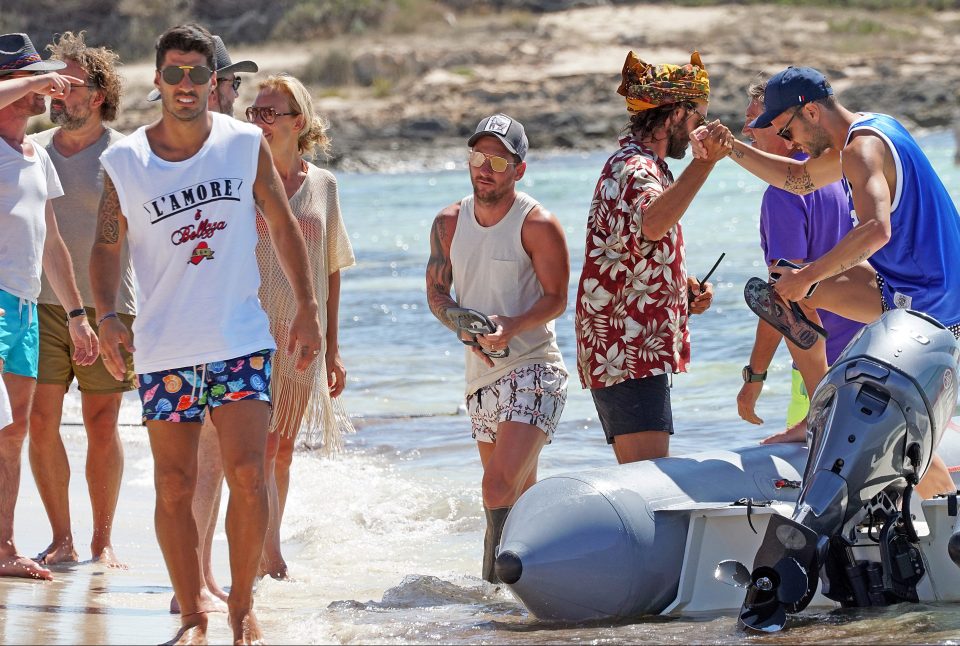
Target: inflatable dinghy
(646, 538)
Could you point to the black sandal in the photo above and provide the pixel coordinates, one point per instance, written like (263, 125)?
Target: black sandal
(472, 323)
(790, 321)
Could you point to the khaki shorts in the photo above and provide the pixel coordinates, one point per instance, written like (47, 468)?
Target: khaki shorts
(56, 352)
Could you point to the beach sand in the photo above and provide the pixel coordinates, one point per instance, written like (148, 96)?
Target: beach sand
(88, 603)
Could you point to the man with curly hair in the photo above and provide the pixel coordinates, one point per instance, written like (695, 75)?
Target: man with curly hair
(74, 146)
(635, 296)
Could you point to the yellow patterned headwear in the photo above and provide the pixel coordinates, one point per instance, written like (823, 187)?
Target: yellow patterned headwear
(648, 86)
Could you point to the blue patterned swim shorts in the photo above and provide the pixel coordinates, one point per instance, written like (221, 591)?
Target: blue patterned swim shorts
(183, 394)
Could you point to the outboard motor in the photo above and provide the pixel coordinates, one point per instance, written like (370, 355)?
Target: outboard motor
(873, 425)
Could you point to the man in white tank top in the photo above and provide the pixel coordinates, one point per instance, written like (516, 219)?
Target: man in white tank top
(182, 191)
(505, 256)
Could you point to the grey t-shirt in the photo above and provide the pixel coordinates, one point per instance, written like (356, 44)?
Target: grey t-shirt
(81, 176)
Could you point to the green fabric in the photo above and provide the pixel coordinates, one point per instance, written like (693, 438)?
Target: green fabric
(799, 401)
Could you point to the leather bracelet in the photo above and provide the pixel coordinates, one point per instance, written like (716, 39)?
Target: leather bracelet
(72, 314)
(108, 315)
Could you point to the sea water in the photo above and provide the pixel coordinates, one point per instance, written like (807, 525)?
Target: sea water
(384, 540)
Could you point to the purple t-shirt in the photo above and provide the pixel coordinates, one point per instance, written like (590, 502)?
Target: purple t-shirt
(806, 227)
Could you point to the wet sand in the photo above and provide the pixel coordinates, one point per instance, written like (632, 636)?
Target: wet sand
(88, 603)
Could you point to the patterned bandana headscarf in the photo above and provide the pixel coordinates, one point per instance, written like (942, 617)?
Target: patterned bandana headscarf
(649, 86)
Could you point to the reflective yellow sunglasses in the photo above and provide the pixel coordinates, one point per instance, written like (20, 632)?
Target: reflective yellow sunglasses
(497, 164)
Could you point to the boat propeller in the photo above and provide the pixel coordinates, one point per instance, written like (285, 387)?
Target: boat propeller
(769, 591)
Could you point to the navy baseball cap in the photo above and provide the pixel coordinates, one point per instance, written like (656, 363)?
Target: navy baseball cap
(507, 129)
(792, 87)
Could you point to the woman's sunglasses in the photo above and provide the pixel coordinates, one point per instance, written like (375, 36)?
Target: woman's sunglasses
(198, 74)
(497, 164)
(267, 115)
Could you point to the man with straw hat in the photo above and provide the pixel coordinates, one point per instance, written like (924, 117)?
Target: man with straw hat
(31, 241)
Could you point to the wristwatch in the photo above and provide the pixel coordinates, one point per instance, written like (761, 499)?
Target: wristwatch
(72, 314)
(749, 376)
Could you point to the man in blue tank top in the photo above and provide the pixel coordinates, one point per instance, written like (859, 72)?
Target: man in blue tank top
(798, 228)
(904, 221)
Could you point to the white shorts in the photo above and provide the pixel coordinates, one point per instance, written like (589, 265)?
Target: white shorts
(533, 394)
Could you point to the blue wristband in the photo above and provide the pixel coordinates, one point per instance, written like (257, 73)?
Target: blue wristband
(108, 315)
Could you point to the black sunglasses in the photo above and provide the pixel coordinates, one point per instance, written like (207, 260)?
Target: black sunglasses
(267, 115)
(173, 74)
(234, 83)
(785, 130)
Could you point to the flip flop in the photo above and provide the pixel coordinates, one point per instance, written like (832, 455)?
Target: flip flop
(472, 323)
(790, 320)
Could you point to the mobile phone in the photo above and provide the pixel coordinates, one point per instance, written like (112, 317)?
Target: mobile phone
(783, 262)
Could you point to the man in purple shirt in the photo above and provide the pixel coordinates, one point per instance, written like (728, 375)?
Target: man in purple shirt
(799, 229)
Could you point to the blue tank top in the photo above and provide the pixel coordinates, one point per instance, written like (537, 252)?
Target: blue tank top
(920, 265)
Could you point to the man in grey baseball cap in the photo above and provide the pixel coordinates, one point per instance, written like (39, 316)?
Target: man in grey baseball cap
(228, 83)
(503, 255)
(508, 130)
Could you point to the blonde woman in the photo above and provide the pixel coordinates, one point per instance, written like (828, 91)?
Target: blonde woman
(284, 111)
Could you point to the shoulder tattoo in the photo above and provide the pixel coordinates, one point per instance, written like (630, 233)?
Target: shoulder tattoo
(439, 271)
(108, 216)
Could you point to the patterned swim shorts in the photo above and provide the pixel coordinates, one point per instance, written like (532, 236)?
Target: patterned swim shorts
(954, 329)
(533, 394)
(183, 394)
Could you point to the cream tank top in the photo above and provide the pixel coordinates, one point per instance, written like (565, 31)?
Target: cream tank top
(493, 274)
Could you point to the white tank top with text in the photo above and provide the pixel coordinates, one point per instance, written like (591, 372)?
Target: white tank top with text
(192, 233)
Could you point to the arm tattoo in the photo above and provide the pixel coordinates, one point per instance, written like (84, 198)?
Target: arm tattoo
(737, 153)
(800, 184)
(108, 216)
(866, 254)
(439, 274)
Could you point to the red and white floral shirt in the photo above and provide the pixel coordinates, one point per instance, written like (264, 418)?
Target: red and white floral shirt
(632, 301)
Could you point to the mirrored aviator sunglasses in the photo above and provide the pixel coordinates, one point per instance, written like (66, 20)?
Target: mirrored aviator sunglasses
(497, 164)
(173, 74)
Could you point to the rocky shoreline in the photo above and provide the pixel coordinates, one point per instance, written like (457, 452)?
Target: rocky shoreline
(411, 101)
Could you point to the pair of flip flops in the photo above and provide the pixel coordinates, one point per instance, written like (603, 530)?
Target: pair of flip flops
(473, 323)
(788, 319)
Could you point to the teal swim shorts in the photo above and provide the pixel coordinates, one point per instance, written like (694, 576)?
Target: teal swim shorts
(19, 335)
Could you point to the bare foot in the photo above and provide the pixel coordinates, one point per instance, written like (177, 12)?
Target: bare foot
(246, 630)
(193, 630)
(211, 601)
(108, 558)
(796, 433)
(58, 552)
(24, 568)
(275, 567)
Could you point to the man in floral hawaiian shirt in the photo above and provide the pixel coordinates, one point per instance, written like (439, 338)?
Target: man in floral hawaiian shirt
(632, 303)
